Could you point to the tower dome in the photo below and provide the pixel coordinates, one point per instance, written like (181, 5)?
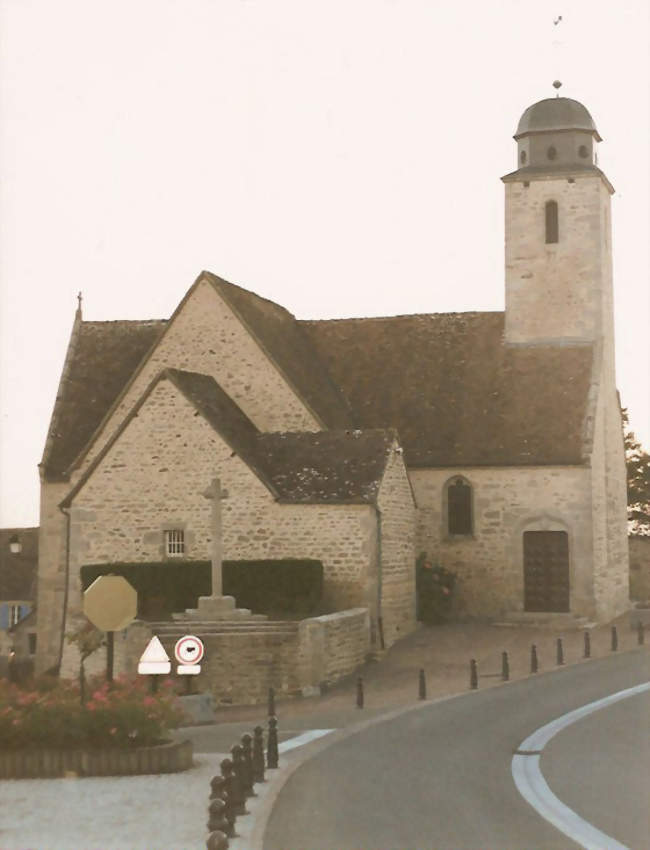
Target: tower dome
(556, 134)
(556, 113)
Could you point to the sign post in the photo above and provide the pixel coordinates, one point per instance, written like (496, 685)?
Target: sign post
(189, 651)
(154, 662)
(111, 604)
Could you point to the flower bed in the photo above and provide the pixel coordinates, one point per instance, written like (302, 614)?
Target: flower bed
(42, 763)
(47, 730)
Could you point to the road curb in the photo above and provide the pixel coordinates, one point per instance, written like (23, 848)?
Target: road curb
(262, 813)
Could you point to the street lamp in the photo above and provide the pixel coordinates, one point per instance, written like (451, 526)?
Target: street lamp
(15, 546)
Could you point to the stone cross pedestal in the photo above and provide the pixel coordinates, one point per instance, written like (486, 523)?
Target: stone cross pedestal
(216, 606)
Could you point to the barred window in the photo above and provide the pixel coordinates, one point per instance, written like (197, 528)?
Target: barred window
(175, 542)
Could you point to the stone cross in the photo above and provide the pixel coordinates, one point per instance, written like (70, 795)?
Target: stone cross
(216, 494)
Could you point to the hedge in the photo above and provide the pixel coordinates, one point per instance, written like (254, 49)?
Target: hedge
(266, 587)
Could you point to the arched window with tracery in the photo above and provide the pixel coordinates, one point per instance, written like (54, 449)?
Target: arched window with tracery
(459, 506)
(552, 226)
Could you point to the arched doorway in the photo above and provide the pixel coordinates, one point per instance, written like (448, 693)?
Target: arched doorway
(546, 571)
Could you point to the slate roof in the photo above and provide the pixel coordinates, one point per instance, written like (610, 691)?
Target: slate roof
(102, 357)
(456, 393)
(18, 572)
(337, 466)
(326, 466)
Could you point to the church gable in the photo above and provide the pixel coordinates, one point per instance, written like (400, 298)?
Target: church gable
(249, 349)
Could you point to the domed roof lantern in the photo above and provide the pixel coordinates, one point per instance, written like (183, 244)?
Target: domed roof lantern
(556, 134)
(556, 113)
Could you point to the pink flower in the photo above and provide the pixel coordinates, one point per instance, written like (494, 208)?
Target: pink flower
(113, 731)
(148, 701)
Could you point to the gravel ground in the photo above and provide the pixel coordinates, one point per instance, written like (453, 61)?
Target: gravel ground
(162, 812)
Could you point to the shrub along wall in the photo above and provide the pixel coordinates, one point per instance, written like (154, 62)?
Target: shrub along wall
(266, 587)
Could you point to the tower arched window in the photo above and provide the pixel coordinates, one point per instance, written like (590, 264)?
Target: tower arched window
(552, 226)
(459, 506)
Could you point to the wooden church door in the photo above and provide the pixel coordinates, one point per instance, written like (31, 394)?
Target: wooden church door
(546, 571)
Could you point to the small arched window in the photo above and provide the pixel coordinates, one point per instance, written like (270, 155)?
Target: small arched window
(552, 227)
(551, 153)
(459, 506)
(522, 157)
(583, 151)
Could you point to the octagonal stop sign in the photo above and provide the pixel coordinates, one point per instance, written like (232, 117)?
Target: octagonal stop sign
(110, 603)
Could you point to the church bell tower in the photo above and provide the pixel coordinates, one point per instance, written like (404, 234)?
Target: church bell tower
(558, 230)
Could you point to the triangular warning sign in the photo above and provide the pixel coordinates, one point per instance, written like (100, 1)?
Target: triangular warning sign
(154, 660)
(155, 651)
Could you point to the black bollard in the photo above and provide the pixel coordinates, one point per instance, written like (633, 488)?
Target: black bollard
(587, 645)
(217, 788)
(560, 652)
(614, 639)
(271, 703)
(505, 667)
(359, 692)
(422, 686)
(272, 744)
(640, 633)
(258, 754)
(217, 841)
(239, 784)
(228, 783)
(534, 665)
(217, 816)
(247, 756)
(473, 675)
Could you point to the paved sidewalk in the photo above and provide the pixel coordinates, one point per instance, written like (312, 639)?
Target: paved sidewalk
(444, 652)
(169, 812)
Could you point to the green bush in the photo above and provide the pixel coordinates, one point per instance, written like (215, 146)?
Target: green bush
(121, 716)
(273, 587)
(269, 586)
(435, 591)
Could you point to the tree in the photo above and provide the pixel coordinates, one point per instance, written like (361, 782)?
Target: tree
(637, 461)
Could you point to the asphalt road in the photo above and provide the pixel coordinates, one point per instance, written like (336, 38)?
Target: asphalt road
(439, 778)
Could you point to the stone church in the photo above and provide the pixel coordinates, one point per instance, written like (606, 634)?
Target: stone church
(492, 441)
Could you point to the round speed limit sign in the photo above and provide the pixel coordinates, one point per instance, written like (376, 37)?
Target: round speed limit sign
(189, 650)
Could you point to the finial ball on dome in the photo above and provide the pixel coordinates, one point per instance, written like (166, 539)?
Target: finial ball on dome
(557, 84)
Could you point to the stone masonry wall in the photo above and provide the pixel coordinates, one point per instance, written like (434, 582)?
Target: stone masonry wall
(240, 667)
(153, 478)
(207, 337)
(554, 291)
(51, 575)
(398, 524)
(332, 646)
(609, 501)
(507, 502)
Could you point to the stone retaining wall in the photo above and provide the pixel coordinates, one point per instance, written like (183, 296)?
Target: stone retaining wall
(332, 646)
(165, 758)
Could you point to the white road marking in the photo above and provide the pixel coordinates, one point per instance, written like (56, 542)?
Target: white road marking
(300, 740)
(533, 788)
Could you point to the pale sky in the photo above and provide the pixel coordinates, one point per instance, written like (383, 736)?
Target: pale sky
(340, 157)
